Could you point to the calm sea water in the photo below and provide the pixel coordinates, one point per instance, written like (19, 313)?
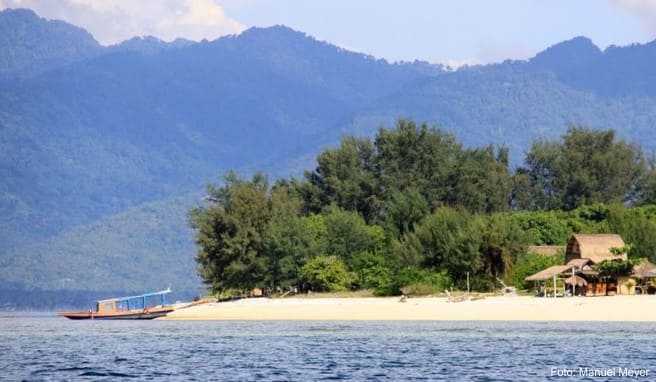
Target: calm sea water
(50, 348)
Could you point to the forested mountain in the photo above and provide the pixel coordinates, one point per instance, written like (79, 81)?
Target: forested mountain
(32, 45)
(90, 135)
(514, 102)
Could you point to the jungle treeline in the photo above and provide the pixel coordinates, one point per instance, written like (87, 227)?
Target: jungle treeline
(414, 211)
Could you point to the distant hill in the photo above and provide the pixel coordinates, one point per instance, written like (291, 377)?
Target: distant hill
(145, 247)
(34, 45)
(104, 148)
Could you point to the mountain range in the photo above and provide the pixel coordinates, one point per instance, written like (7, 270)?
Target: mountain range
(103, 149)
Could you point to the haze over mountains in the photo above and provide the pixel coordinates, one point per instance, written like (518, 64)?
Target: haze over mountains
(105, 148)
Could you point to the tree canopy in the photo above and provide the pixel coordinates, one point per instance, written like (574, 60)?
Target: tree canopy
(413, 210)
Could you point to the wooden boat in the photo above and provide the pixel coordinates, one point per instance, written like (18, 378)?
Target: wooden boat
(142, 307)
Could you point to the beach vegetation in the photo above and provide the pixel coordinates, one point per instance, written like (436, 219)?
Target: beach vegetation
(422, 282)
(412, 210)
(614, 268)
(326, 274)
(531, 263)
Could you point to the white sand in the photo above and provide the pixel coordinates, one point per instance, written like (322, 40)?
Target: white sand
(611, 308)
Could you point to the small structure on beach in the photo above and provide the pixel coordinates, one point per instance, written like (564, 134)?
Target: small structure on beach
(595, 247)
(579, 276)
(641, 279)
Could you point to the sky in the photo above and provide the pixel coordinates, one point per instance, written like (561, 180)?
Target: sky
(453, 32)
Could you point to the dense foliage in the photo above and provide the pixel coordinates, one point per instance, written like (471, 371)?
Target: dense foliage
(414, 211)
(614, 269)
(587, 167)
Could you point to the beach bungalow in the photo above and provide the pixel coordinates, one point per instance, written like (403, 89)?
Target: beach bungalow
(579, 276)
(596, 247)
(584, 251)
(641, 280)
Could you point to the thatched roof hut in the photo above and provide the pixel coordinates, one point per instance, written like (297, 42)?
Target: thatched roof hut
(578, 263)
(644, 269)
(596, 247)
(548, 273)
(576, 281)
(546, 250)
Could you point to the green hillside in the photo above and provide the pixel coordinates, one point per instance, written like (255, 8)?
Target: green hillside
(149, 247)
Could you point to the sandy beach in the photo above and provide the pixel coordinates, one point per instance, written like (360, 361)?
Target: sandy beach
(515, 308)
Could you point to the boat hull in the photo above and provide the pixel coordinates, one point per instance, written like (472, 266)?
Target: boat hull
(126, 315)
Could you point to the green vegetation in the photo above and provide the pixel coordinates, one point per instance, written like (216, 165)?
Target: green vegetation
(325, 274)
(530, 263)
(613, 269)
(412, 211)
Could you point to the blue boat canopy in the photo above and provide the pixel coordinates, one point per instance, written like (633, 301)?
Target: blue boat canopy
(139, 302)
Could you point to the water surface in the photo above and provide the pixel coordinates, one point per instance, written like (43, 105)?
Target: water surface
(51, 348)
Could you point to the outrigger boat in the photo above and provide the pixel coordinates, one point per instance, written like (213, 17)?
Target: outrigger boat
(142, 307)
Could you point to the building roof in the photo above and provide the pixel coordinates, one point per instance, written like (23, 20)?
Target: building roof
(576, 280)
(548, 273)
(578, 263)
(546, 250)
(644, 269)
(597, 247)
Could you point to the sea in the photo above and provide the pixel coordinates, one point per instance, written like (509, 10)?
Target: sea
(42, 347)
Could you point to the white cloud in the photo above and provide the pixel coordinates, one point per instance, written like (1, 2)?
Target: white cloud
(112, 21)
(644, 9)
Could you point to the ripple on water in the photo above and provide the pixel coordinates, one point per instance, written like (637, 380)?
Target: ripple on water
(50, 348)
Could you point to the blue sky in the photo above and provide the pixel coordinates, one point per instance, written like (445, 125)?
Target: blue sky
(442, 31)
(453, 32)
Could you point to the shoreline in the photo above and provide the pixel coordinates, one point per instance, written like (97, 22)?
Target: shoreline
(497, 308)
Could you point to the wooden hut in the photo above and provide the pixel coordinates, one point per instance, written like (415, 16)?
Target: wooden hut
(582, 252)
(641, 279)
(552, 273)
(596, 247)
(585, 250)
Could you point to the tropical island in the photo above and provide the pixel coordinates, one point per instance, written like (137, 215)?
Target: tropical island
(412, 213)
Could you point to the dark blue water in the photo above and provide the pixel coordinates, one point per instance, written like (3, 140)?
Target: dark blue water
(48, 348)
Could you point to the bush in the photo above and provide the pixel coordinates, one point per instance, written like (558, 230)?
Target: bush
(420, 289)
(372, 272)
(326, 274)
(479, 283)
(614, 268)
(421, 282)
(530, 263)
(451, 240)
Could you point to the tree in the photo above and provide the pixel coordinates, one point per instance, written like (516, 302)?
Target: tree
(289, 240)
(614, 268)
(450, 240)
(502, 240)
(408, 250)
(636, 226)
(347, 234)
(587, 166)
(230, 232)
(403, 210)
(344, 177)
(481, 181)
(543, 227)
(416, 157)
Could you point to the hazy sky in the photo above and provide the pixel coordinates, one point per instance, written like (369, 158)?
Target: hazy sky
(454, 32)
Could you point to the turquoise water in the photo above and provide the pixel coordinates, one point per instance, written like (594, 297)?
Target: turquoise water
(50, 348)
